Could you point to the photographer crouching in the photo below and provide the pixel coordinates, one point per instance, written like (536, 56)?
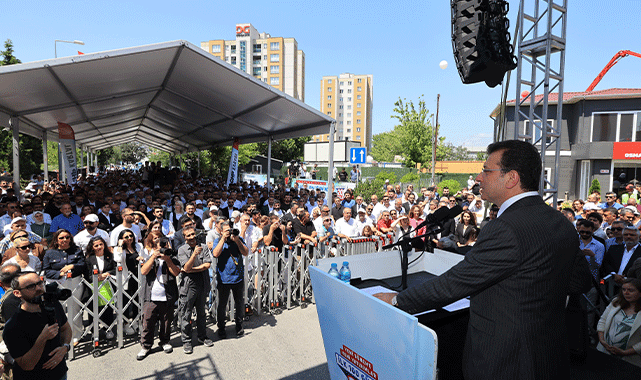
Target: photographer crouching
(38, 335)
(229, 249)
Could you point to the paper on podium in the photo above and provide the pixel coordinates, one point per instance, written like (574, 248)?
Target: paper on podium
(454, 306)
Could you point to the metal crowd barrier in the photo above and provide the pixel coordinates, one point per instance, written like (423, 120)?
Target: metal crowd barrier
(275, 279)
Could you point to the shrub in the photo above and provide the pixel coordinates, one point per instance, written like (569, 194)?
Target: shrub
(595, 187)
(452, 184)
(410, 177)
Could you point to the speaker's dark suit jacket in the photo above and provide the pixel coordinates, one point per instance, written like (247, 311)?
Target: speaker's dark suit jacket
(517, 276)
(612, 260)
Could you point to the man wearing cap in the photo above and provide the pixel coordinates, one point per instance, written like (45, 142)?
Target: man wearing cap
(91, 229)
(67, 220)
(38, 207)
(362, 220)
(630, 194)
(18, 224)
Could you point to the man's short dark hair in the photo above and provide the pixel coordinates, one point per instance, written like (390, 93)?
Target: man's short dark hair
(612, 210)
(585, 223)
(184, 219)
(596, 216)
(15, 282)
(7, 275)
(522, 157)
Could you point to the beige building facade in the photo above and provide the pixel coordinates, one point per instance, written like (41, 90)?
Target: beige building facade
(276, 61)
(348, 98)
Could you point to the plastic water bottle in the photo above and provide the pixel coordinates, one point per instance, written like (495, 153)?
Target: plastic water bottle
(345, 273)
(333, 271)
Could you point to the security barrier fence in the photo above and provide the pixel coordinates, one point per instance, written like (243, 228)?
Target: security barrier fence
(274, 280)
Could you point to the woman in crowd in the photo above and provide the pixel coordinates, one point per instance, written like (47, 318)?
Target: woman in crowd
(64, 258)
(24, 257)
(177, 213)
(466, 224)
(619, 328)
(577, 207)
(86, 210)
(367, 231)
(98, 256)
(129, 254)
(402, 226)
(416, 218)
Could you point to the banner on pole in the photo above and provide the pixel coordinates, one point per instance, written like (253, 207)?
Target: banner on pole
(67, 140)
(232, 176)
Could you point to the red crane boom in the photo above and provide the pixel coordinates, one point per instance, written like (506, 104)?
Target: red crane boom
(617, 57)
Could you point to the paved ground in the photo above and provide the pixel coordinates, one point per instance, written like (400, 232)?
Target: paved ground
(285, 346)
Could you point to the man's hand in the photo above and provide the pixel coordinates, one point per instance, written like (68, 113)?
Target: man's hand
(618, 279)
(197, 250)
(57, 355)
(588, 252)
(49, 332)
(210, 245)
(386, 297)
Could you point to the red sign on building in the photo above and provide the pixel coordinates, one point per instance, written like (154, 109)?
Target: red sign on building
(626, 151)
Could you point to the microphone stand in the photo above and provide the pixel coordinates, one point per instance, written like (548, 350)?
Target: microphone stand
(405, 242)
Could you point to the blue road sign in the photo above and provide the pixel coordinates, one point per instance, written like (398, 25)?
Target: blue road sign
(357, 155)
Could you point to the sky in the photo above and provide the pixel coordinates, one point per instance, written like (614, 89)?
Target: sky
(399, 42)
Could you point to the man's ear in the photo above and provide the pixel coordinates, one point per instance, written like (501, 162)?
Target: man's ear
(513, 179)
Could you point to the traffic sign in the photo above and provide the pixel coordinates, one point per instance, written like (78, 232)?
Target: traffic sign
(357, 155)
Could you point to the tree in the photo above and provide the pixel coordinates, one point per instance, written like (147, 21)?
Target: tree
(7, 55)
(595, 187)
(285, 150)
(132, 152)
(456, 153)
(411, 138)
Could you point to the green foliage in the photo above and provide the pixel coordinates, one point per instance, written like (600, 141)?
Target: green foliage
(452, 184)
(481, 156)
(410, 177)
(595, 187)
(456, 153)
(386, 145)
(131, 152)
(7, 55)
(366, 189)
(30, 153)
(285, 150)
(382, 176)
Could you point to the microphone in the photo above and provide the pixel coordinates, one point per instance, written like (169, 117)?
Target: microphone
(440, 215)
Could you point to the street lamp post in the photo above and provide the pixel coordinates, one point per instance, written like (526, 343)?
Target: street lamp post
(438, 99)
(55, 45)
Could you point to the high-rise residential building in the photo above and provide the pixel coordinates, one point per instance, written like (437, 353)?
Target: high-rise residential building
(276, 61)
(348, 99)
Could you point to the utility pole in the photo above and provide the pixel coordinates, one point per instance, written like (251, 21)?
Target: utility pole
(438, 99)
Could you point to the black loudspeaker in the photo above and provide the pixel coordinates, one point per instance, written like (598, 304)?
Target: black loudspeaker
(481, 40)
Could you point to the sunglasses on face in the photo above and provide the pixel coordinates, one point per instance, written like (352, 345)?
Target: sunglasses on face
(32, 286)
(64, 237)
(25, 247)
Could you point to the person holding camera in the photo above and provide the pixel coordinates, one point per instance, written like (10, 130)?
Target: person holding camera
(159, 292)
(195, 261)
(37, 343)
(230, 271)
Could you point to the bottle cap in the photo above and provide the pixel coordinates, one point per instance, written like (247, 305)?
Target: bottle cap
(334, 265)
(345, 263)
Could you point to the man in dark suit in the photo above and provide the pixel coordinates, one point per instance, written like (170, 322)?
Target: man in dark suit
(517, 275)
(619, 258)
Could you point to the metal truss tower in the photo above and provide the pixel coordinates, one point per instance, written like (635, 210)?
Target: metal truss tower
(541, 62)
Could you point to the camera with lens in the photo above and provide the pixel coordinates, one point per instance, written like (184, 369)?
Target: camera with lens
(52, 295)
(165, 247)
(294, 168)
(232, 230)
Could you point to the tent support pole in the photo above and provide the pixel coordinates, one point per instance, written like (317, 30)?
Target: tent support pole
(330, 166)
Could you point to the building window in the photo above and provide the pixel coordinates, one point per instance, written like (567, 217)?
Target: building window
(275, 69)
(274, 81)
(349, 114)
(340, 114)
(349, 130)
(233, 60)
(340, 99)
(358, 137)
(340, 107)
(256, 70)
(349, 107)
(329, 81)
(358, 129)
(274, 58)
(349, 90)
(329, 89)
(358, 88)
(265, 68)
(349, 98)
(265, 47)
(358, 113)
(329, 105)
(215, 48)
(340, 91)
(349, 122)
(342, 83)
(358, 121)
(349, 83)
(340, 123)
(358, 105)
(358, 97)
(329, 113)
(625, 127)
(274, 46)
(359, 80)
(604, 127)
(329, 97)
(257, 48)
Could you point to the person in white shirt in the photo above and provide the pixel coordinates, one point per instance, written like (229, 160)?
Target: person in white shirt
(363, 220)
(38, 207)
(127, 223)
(385, 205)
(91, 229)
(346, 226)
(167, 226)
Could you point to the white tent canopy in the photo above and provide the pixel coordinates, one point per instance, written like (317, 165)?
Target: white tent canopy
(172, 96)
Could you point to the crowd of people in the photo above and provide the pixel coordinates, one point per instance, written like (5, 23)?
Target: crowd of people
(170, 226)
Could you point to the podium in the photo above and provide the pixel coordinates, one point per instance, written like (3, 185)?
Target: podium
(366, 338)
